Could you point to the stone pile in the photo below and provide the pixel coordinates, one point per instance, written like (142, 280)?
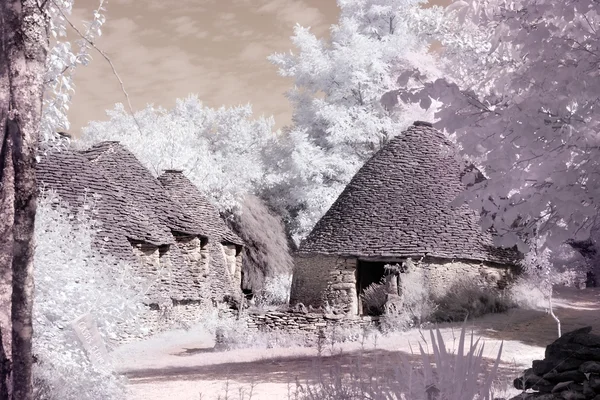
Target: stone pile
(569, 371)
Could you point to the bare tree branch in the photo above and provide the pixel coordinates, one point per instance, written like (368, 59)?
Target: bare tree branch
(112, 66)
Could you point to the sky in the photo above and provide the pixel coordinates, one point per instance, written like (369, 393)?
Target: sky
(217, 49)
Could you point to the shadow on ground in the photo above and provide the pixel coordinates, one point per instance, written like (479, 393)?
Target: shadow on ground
(306, 369)
(534, 328)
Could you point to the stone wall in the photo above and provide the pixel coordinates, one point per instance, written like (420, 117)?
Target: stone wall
(441, 274)
(222, 282)
(195, 254)
(185, 314)
(297, 322)
(321, 280)
(154, 319)
(148, 256)
(233, 260)
(570, 369)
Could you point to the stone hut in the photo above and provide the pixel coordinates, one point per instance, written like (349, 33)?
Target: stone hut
(164, 227)
(398, 206)
(223, 243)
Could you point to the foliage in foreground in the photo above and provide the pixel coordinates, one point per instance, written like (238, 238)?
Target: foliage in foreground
(72, 280)
(520, 97)
(460, 375)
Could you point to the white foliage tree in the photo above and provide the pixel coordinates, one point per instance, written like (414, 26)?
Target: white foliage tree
(520, 94)
(72, 279)
(339, 121)
(222, 151)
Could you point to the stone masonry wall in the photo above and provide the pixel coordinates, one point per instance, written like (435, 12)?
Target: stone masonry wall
(441, 274)
(233, 263)
(341, 286)
(196, 256)
(288, 322)
(153, 320)
(148, 256)
(321, 280)
(311, 326)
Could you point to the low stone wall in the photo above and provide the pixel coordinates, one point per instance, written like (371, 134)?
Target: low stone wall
(307, 324)
(154, 320)
(570, 369)
(294, 321)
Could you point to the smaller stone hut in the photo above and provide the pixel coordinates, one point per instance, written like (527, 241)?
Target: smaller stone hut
(164, 227)
(398, 206)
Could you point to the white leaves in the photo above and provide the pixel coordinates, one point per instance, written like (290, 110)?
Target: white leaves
(60, 65)
(527, 114)
(345, 100)
(71, 280)
(223, 151)
(456, 6)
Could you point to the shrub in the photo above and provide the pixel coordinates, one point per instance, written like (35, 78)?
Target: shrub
(266, 251)
(417, 303)
(456, 376)
(526, 293)
(374, 298)
(276, 291)
(71, 280)
(466, 298)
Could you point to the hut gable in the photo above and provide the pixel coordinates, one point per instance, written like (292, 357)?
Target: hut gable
(399, 205)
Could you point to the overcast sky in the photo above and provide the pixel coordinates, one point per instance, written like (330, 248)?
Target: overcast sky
(167, 49)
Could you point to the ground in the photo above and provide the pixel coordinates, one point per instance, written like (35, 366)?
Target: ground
(181, 365)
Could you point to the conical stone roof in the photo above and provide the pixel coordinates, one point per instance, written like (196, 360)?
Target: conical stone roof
(399, 205)
(203, 213)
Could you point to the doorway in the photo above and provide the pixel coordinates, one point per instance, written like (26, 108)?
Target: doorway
(368, 272)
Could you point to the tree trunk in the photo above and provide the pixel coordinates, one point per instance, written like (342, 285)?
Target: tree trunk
(24, 45)
(5, 384)
(6, 206)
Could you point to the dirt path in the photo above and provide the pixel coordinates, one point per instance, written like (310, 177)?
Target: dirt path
(182, 366)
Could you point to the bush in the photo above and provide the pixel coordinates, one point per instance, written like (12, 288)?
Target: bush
(374, 298)
(72, 280)
(275, 292)
(417, 303)
(466, 298)
(526, 293)
(267, 256)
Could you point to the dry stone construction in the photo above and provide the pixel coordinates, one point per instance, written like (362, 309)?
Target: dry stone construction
(164, 226)
(398, 206)
(570, 369)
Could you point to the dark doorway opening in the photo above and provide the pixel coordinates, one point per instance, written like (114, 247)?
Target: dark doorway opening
(369, 272)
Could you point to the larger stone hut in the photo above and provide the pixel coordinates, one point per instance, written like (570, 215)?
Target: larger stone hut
(398, 206)
(163, 226)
